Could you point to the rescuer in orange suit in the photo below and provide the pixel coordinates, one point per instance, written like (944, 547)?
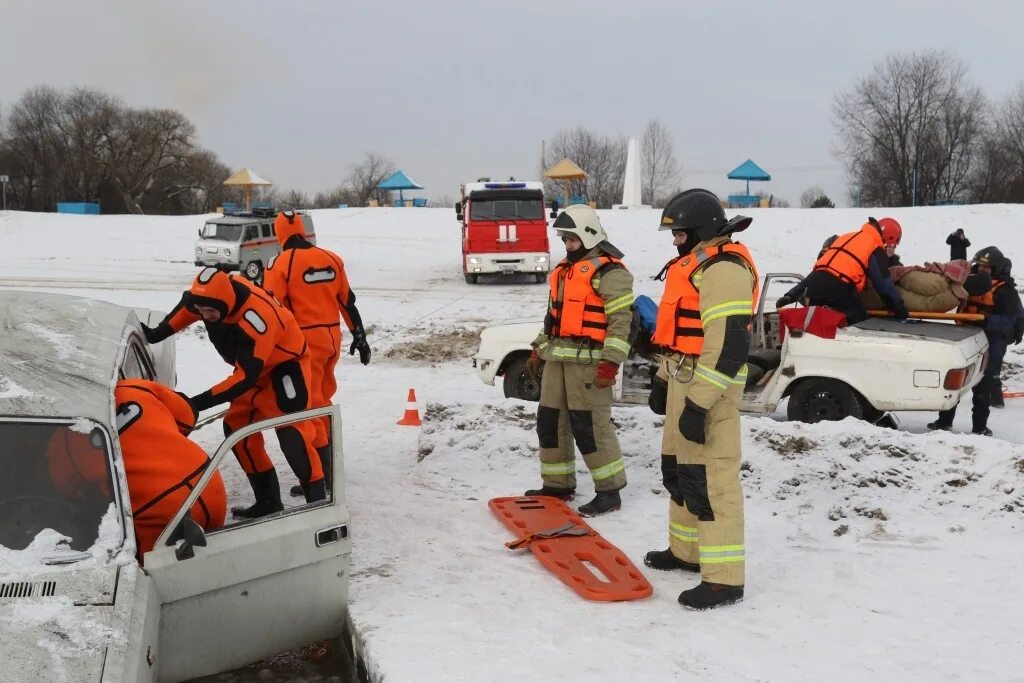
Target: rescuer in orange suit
(271, 377)
(310, 282)
(161, 464)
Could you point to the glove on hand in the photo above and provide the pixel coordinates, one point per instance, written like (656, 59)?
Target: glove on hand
(186, 429)
(657, 400)
(359, 344)
(605, 376)
(533, 364)
(783, 301)
(691, 422)
(152, 334)
(201, 402)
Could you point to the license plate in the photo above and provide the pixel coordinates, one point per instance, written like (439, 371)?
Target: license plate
(508, 270)
(211, 250)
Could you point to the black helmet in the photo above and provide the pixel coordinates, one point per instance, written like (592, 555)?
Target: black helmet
(700, 211)
(991, 257)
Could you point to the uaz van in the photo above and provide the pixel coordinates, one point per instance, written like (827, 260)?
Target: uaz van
(243, 241)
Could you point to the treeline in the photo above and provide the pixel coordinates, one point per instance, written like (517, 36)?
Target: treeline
(917, 131)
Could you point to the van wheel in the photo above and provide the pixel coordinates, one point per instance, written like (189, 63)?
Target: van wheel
(470, 279)
(253, 270)
(518, 381)
(539, 277)
(815, 400)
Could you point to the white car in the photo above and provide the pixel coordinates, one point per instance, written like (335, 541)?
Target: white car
(74, 602)
(870, 368)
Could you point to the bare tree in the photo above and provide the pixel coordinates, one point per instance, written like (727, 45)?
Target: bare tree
(603, 159)
(815, 198)
(294, 199)
(366, 176)
(909, 131)
(660, 170)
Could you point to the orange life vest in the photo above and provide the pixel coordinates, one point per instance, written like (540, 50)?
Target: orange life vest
(580, 311)
(985, 303)
(847, 258)
(679, 326)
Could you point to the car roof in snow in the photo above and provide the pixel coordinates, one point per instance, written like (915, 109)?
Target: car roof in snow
(59, 355)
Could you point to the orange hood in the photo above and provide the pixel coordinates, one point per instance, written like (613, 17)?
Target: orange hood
(213, 288)
(287, 225)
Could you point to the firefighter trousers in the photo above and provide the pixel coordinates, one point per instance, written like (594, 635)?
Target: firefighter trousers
(573, 408)
(324, 343)
(706, 509)
(283, 391)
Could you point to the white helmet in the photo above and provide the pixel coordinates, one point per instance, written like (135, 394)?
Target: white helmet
(582, 221)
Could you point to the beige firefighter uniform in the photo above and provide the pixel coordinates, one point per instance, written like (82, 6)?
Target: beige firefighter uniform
(706, 509)
(571, 406)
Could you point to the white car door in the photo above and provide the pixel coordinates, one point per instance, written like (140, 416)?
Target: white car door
(257, 588)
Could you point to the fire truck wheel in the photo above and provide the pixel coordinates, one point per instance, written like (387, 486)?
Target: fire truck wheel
(470, 279)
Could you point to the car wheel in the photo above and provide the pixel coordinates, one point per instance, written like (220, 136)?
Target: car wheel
(519, 383)
(815, 400)
(540, 277)
(253, 270)
(470, 279)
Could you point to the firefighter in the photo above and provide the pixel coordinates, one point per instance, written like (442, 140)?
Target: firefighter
(311, 283)
(161, 464)
(1003, 323)
(703, 326)
(841, 273)
(271, 377)
(584, 341)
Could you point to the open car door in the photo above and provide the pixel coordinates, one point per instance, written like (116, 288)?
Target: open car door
(257, 588)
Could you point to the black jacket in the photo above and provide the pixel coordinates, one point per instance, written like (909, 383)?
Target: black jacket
(957, 247)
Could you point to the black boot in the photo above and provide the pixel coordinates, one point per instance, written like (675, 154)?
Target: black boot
(604, 501)
(939, 424)
(560, 494)
(666, 561)
(268, 496)
(997, 399)
(325, 454)
(982, 431)
(314, 491)
(710, 595)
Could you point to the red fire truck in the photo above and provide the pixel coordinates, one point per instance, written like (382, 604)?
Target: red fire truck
(504, 230)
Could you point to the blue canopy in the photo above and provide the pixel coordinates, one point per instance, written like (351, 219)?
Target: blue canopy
(398, 181)
(748, 170)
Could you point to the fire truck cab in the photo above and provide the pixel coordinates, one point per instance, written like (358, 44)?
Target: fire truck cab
(504, 229)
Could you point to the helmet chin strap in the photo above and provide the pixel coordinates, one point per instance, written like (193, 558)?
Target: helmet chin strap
(576, 254)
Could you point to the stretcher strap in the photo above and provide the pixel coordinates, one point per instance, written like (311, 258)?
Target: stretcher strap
(569, 529)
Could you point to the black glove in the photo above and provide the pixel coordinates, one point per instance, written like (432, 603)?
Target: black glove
(691, 422)
(900, 311)
(359, 344)
(1017, 339)
(658, 398)
(201, 402)
(155, 335)
(783, 301)
(187, 429)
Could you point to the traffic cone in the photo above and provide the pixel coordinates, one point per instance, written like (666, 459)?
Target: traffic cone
(412, 413)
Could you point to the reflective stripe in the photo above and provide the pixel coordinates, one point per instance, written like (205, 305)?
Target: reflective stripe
(577, 354)
(726, 309)
(720, 554)
(712, 376)
(617, 344)
(556, 468)
(686, 534)
(609, 470)
(618, 304)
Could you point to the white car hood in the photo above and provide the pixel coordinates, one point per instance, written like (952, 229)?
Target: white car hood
(56, 625)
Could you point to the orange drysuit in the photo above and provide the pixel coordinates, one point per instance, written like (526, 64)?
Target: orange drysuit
(311, 283)
(271, 377)
(161, 464)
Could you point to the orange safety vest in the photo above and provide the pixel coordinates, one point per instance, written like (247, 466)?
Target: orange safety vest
(580, 311)
(847, 258)
(986, 303)
(679, 326)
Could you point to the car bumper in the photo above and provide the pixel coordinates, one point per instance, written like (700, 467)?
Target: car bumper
(207, 263)
(507, 263)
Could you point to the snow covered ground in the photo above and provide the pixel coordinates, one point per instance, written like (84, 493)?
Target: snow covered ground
(871, 553)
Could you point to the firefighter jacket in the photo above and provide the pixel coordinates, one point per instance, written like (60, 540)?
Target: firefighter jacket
(590, 311)
(849, 256)
(255, 332)
(309, 281)
(705, 313)
(1001, 306)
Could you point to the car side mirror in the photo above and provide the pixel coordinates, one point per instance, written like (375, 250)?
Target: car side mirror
(192, 536)
(458, 211)
(199, 232)
(554, 209)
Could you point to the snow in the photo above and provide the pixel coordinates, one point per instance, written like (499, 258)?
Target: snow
(871, 553)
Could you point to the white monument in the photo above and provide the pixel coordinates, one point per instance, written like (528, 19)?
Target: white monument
(631, 191)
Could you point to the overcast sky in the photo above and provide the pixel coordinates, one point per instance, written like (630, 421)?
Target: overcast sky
(297, 90)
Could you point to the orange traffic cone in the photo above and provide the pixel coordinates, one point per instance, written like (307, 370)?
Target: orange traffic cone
(412, 413)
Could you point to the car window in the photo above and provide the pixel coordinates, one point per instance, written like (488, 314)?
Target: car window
(268, 230)
(251, 232)
(132, 367)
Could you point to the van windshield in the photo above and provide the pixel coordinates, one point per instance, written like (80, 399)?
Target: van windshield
(56, 476)
(230, 232)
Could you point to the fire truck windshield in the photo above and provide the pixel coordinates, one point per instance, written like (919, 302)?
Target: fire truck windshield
(493, 209)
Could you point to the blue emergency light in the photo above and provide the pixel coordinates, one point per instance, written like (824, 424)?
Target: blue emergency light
(497, 186)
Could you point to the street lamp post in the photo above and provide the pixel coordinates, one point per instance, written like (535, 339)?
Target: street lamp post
(3, 183)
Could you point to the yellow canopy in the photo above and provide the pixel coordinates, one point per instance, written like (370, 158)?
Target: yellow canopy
(246, 177)
(565, 170)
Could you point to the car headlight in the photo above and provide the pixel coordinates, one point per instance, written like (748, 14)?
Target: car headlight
(227, 252)
(474, 259)
(199, 251)
(542, 259)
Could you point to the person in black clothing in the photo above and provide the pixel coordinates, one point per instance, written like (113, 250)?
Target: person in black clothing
(958, 244)
(1004, 275)
(1004, 323)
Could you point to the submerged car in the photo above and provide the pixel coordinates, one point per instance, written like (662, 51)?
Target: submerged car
(75, 603)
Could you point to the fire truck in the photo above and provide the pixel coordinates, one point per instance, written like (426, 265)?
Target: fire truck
(504, 230)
